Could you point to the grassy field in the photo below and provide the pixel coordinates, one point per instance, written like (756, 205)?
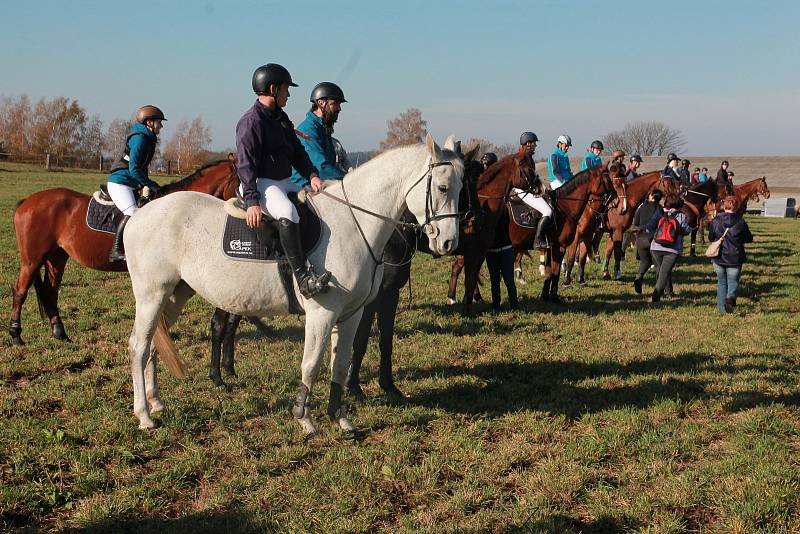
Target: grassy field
(603, 415)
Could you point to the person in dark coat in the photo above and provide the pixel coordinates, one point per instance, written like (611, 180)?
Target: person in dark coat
(644, 213)
(665, 252)
(500, 261)
(722, 177)
(728, 265)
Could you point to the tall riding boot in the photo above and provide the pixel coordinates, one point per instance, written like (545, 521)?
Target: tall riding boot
(540, 242)
(118, 248)
(310, 284)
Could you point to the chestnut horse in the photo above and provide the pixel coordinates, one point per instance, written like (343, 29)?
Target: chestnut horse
(51, 227)
(595, 187)
(617, 223)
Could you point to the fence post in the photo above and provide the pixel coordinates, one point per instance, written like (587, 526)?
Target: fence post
(169, 167)
(47, 161)
(101, 163)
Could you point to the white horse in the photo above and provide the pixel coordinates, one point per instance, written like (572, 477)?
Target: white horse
(173, 249)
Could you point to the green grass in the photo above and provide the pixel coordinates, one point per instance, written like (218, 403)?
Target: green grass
(603, 415)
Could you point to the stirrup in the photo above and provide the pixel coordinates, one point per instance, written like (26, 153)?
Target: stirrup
(313, 284)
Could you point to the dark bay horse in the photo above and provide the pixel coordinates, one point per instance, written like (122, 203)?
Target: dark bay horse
(594, 187)
(51, 228)
(396, 273)
(752, 190)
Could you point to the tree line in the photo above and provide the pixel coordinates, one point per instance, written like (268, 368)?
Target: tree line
(61, 128)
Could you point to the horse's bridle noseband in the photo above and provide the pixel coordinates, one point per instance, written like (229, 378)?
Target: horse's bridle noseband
(431, 231)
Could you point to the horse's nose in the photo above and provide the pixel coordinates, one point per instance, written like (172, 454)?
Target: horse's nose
(447, 247)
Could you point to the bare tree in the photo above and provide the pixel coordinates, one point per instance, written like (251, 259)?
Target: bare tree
(500, 151)
(646, 138)
(188, 144)
(406, 129)
(114, 140)
(15, 119)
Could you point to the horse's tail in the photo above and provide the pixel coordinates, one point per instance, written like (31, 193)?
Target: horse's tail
(42, 292)
(167, 349)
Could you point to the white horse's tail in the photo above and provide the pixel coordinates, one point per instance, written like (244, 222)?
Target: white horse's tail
(167, 349)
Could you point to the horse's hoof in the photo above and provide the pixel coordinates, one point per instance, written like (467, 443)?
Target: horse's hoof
(230, 371)
(60, 333)
(309, 428)
(393, 393)
(451, 301)
(581, 282)
(567, 283)
(147, 424)
(17, 341)
(606, 276)
(156, 406)
(346, 426)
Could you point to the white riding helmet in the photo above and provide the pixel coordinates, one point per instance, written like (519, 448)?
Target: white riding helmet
(564, 139)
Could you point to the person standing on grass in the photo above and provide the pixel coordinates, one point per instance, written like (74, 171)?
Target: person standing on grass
(668, 229)
(500, 262)
(728, 265)
(131, 173)
(644, 213)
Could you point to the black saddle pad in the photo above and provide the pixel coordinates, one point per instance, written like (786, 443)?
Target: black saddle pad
(240, 242)
(100, 217)
(522, 214)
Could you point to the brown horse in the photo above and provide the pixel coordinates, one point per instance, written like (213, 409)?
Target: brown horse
(752, 190)
(618, 224)
(592, 187)
(493, 188)
(51, 227)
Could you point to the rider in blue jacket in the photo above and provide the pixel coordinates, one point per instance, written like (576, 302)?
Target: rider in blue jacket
(592, 157)
(131, 173)
(558, 163)
(316, 131)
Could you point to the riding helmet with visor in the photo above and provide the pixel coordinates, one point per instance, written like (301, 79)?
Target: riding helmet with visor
(149, 112)
(564, 139)
(266, 75)
(528, 137)
(328, 90)
(597, 144)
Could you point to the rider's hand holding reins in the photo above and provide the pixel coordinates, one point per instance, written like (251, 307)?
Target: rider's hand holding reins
(316, 184)
(253, 216)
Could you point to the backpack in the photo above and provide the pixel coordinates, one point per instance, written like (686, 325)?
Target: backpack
(667, 231)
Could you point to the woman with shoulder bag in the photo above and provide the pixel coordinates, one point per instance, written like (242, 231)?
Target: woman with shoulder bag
(728, 263)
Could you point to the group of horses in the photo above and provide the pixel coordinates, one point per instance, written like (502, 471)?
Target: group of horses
(415, 202)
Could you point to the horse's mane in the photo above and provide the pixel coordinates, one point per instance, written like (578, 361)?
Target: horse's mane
(579, 179)
(187, 180)
(492, 172)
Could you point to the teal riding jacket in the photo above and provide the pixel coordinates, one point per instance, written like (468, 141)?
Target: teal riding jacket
(319, 146)
(590, 160)
(141, 146)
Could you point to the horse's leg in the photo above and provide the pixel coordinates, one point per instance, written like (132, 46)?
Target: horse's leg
(471, 274)
(458, 266)
(219, 324)
(360, 342)
(172, 310)
(47, 291)
(28, 272)
(144, 326)
(318, 332)
(582, 257)
(545, 296)
(518, 276)
(341, 349)
(229, 343)
(609, 249)
(571, 252)
(386, 317)
(555, 264)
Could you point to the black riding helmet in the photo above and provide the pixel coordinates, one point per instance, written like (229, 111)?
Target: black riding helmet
(528, 137)
(686, 162)
(265, 75)
(327, 90)
(597, 144)
(489, 158)
(636, 157)
(672, 156)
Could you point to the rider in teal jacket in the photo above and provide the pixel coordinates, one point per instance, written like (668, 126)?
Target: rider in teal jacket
(141, 146)
(592, 157)
(315, 132)
(558, 163)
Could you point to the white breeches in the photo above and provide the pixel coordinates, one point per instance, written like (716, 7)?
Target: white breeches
(536, 202)
(123, 198)
(273, 198)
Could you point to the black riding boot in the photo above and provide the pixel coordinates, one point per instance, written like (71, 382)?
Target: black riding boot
(310, 284)
(540, 242)
(118, 248)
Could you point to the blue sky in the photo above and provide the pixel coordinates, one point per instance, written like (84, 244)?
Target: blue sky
(726, 73)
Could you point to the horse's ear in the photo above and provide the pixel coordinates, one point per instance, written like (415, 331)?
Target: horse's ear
(433, 148)
(231, 157)
(458, 150)
(470, 156)
(450, 143)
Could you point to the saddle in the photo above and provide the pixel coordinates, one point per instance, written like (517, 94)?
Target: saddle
(102, 215)
(524, 215)
(240, 242)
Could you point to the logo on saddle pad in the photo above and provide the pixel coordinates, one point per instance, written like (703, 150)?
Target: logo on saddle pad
(237, 246)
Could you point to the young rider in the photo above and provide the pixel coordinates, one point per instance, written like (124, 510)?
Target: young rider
(592, 157)
(267, 149)
(635, 163)
(131, 171)
(534, 195)
(488, 159)
(558, 163)
(316, 132)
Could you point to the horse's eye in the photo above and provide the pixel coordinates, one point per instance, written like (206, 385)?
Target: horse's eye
(443, 188)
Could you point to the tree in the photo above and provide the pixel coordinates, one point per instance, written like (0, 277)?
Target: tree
(487, 146)
(114, 140)
(406, 129)
(650, 138)
(15, 118)
(188, 145)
